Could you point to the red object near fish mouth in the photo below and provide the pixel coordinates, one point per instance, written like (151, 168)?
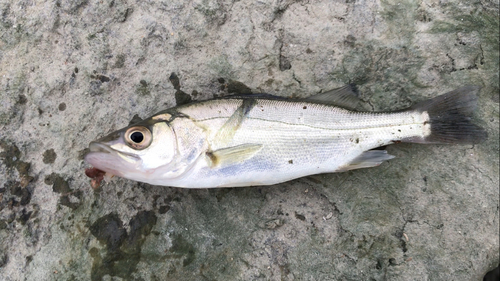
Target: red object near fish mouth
(96, 176)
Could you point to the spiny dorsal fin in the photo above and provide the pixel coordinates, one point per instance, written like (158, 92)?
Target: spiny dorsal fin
(226, 132)
(232, 155)
(345, 97)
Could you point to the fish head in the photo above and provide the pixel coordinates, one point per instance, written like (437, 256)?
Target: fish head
(134, 152)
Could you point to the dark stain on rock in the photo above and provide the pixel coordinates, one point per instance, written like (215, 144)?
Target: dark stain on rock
(182, 98)
(3, 259)
(174, 79)
(10, 154)
(136, 119)
(24, 217)
(100, 77)
(62, 106)
(284, 63)
(61, 186)
(300, 216)
(95, 88)
(350, 41)
(182, 247)
(109, 231)
(29, 259)
(21, 99)
(25, 196)
(122, 249)
(163, 209)
(143, 89)
(120, 61)
(23, 168)
(82, 153)
(49, 156)
(3, 224)
(16, 189)
(236, 87)
(66, 201)
(140, 227)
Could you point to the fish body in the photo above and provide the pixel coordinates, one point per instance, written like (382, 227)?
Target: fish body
(263, 140)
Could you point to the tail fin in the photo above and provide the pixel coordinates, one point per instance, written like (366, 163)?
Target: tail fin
(450, 117)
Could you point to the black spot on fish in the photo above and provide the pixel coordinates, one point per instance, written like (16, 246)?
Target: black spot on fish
(290, 161)
(357, 140)
(305, 107)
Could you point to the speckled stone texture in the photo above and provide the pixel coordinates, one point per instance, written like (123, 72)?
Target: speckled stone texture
(72, 71)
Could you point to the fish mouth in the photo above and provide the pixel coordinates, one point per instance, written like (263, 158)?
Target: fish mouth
(103, 148)
(112, 161)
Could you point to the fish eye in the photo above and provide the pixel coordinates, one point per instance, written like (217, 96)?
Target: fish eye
(138, 137)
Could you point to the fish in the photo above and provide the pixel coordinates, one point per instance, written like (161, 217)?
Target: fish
(260, 139)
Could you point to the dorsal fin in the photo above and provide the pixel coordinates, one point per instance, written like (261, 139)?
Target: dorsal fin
(345, 97)
(228, 130)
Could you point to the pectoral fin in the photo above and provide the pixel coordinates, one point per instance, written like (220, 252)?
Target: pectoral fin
(232, 155)
(367, 159)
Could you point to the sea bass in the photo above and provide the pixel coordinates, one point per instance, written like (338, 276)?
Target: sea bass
(260, 139)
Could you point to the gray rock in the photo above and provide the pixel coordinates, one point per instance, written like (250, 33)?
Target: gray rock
(72, 71)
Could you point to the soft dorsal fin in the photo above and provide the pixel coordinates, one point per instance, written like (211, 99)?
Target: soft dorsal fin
(345, 97)
(228, 130)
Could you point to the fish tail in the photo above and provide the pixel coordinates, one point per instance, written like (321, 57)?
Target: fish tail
(450, 117)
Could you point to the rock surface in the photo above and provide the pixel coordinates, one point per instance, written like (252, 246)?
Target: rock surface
(72, 71)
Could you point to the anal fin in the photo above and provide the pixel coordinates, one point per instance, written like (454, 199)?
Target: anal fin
(232, 155)
(367, 159)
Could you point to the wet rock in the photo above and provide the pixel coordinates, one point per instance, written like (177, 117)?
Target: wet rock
(111, 60)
